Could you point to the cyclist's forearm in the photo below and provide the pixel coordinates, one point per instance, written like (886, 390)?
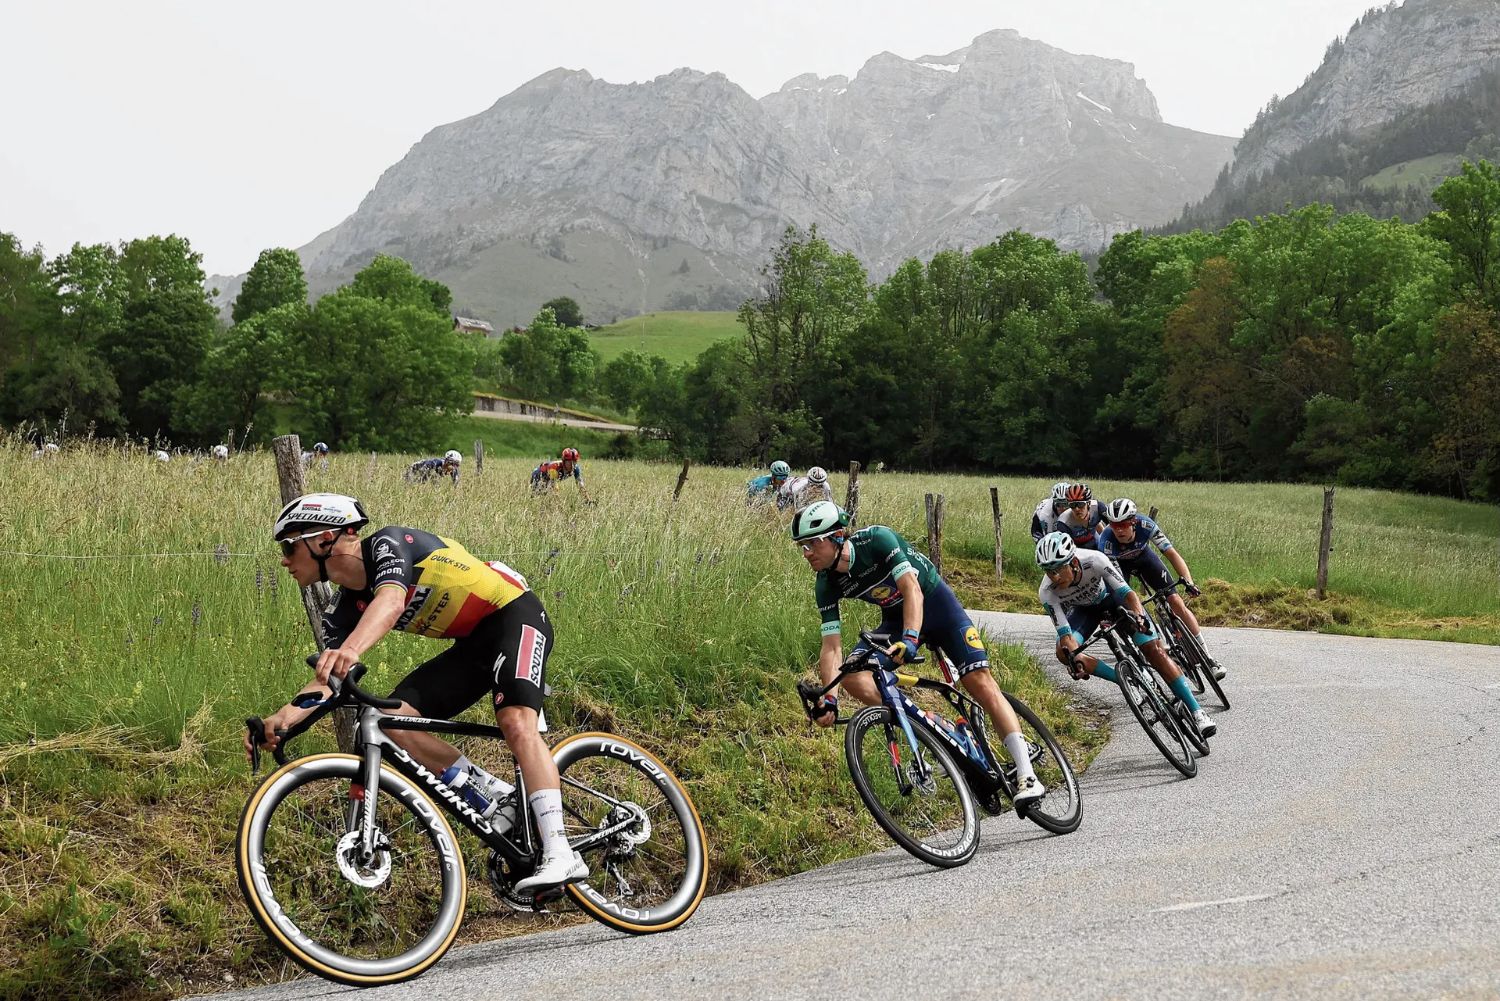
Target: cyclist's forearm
(1179, 564)
(377, 620)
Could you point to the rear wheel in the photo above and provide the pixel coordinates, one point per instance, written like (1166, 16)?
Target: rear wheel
(915, 794)
(1060, 810)
(632, 821)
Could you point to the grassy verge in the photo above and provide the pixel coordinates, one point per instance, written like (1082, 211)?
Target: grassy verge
(683, 625)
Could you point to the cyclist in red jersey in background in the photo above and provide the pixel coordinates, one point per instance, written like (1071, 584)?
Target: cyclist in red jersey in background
(549, 474)
(417, 582)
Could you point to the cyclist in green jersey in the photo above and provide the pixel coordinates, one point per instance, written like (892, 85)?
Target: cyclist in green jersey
(876, 565)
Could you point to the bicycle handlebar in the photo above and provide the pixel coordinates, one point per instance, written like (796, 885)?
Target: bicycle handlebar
(860, 660)
(342, 691)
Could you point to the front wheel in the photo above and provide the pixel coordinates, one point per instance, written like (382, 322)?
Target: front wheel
(915, 794)
(1154, 717)
(350, 918)
(634, 824)
(1193, 654)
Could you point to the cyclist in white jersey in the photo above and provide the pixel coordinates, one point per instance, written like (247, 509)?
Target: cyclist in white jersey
(1080, 589)
(1044, 519)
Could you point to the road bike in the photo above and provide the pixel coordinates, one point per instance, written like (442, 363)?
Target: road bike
(1166, 720)
(1183, 646)
(921, 775)
(350, 865)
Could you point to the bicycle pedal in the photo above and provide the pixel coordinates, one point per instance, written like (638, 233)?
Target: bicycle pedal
(542, 898)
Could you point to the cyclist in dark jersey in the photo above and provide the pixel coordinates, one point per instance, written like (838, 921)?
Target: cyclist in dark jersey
(407, 579)
(878, 566)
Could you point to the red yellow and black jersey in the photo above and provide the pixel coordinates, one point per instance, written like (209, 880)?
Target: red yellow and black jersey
(448, 590)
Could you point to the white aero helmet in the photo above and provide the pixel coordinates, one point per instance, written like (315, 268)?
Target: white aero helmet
(817, 520)
(221, 451)
(817, 474)
(321, 448)
(1120, 509)
(162, 456)
(1060, 490)
(331, 511)
(1053, 550)
(452, 456)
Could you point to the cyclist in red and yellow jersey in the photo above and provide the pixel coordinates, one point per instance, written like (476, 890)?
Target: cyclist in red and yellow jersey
(417, 582)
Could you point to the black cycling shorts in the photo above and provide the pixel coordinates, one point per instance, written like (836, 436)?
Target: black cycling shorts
(506, 655)
(1149, 568)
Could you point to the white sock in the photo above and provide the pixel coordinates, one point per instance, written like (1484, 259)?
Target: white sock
(547, 808)
(491, 783)
(1020, 753)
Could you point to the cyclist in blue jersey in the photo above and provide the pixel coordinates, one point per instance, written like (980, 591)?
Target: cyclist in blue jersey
(1127, 537)
(876, 565)
(1083, 517)
(765, 489)
(1080, 589)
(427, 470)
(1044, 519)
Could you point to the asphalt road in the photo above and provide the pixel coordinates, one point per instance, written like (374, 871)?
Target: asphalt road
(1340, 842)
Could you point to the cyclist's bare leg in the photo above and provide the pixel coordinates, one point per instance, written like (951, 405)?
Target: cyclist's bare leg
(1156, 653)
(981, 685)
(1085, 661)
(862, 687)
(1183, 612)
(518, 723)
(431, 750)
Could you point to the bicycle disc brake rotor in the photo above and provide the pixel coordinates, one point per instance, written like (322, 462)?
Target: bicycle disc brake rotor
(369, 875)
(633, 836)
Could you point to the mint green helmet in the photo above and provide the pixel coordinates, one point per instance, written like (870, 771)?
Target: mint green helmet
(780, 470)
(818, 519)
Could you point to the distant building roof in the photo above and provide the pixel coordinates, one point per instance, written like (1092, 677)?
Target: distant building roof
(465, 323)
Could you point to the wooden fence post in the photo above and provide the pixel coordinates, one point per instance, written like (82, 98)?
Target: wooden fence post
(681, 479)
(1325, 542)
(935, 531)
(995, 505)
(1152, 515)
(288, 452)
(851, 496)
(478, 457)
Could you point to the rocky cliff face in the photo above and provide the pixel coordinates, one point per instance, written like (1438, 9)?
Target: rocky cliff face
(1394, 59)
(669, 194)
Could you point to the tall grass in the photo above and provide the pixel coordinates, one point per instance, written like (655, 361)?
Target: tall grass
(144, 614)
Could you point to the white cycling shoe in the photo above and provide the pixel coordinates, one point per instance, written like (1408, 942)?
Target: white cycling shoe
(1028, 790)
(1206, 726)
(555, 870)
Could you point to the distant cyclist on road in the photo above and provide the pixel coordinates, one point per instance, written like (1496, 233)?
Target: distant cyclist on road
(1083, 516)
(1080, 588)
(1127, 537)
(876, 565)
(427, 470)
(1044, 520)
(547, 475)
(407, 579)
(765, 489)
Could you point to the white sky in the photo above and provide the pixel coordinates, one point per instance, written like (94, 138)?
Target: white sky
(264, 122)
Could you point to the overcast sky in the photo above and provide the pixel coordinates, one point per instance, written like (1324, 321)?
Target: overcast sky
(257, 124)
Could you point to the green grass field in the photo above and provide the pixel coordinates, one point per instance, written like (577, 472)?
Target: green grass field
(1425, 172)
(145, 615)
(675, 336)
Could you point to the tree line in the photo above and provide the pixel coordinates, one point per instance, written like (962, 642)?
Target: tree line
(1305, 345)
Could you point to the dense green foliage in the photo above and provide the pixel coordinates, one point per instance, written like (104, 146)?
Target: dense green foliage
(565, 309)
(125, 340)
(1305, 345)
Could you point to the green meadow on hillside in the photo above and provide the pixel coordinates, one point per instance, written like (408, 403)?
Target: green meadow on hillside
(676, 336)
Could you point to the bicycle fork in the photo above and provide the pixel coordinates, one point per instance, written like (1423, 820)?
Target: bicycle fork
(897, 701)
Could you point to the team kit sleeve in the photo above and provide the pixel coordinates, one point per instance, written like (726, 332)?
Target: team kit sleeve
(1113, 581)
(1054, 609)
(339, 619)
(391, 560)
(888, 550)
(828, 607)
(1155, 534)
